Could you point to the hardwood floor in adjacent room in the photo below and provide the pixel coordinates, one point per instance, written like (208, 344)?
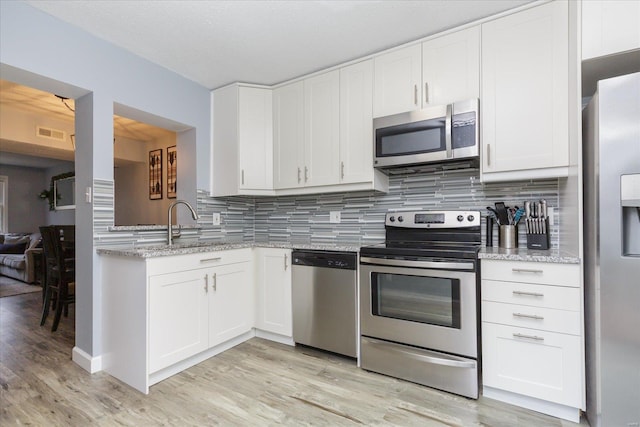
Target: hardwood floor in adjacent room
(256, 383)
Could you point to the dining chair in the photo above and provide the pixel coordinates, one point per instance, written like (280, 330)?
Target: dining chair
(59, 248)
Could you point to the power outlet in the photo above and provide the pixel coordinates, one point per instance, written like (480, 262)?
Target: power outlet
(216, 219)
(334, 217)
(550, 214)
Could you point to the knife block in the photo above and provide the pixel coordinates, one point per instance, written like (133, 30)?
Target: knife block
(540, 240)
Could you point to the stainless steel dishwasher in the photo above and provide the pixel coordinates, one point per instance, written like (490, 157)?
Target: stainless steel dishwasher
(324, 300)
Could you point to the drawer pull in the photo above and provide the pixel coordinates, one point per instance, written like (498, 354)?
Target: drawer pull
(529, 337)
(206, 283)
(215, 281)
(528, 316)
(526, 270)
(211, 259)
(529, 294)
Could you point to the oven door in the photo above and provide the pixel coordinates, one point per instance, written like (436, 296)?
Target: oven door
(428, 308)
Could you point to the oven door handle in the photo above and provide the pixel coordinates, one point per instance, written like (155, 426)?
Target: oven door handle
(419, 264)
(430, 359)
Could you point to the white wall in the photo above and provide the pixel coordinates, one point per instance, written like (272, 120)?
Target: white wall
(43, 52)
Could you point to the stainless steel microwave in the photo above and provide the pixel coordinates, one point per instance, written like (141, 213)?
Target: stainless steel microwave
(434, 134)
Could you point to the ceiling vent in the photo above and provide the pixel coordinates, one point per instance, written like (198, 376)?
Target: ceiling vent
(43, 132)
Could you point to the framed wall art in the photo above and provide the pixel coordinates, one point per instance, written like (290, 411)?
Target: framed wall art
(172, 172)
(155, 174)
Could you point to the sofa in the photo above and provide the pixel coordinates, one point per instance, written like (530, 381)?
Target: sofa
(17, 255)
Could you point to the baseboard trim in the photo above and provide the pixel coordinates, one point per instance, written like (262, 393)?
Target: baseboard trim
(282, 339)
(554, 409)
(85, 361)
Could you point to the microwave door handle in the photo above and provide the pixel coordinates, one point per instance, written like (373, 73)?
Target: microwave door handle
(447, 131)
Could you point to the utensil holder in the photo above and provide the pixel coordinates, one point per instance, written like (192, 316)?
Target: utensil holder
(508, 236)
(539, 240)
(489, 232)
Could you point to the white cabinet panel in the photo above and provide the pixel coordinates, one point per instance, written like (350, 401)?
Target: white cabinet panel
(273, 281)
(255, 136)
(288, 134)
(224, 173)
(544, 319)
(533, 363)
(322, 129)
(356, 123)
(556, 297)
(451, 68)
(178, 317)
(609, 27)
(397, 81)
(532, 272)
(231, 302)
(525, 92)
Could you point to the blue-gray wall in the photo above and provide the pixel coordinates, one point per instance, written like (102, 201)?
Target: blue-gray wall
(43, 52)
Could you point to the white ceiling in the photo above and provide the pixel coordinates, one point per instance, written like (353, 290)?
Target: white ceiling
(219, 42)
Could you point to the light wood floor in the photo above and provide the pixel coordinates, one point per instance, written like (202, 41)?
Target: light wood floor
(256, 383)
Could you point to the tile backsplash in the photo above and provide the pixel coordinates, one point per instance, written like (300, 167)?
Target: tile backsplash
(305, 219)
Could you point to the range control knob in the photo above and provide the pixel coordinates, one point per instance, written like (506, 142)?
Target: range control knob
(392, 218)
(400, 219)
(470, 218)
(460, 218)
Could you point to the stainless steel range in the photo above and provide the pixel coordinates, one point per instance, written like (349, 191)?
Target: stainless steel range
(419, 300)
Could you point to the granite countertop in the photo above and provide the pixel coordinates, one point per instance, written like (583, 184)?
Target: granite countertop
(203, 247)
(530, 255)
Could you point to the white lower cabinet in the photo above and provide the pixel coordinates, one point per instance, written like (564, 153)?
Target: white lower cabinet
(533, 336)
(178, 317)
(273, 291)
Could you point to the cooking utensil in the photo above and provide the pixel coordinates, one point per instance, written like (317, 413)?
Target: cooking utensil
(493, 214)
(501, 211)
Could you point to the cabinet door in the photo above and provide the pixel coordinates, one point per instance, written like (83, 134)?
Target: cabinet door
(224, 171)
(273, 278)
(231, 302)
(322, 129)
(451, 68)
(178, 317)
(288, 135)
(255, 138)
(356, 122)
(609, 27)
(397, 77)
(534, 363)
(525, 91)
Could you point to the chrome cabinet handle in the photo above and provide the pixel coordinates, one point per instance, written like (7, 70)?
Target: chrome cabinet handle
(211, 259)
(206, 283)
(526, 270)
(426, 92)
(488, 154)
(242, 176)
(215, 282)
(528, 316)
(299, 175)
(285, 262)
(306, 174)
(531, 294)
(529, 337)
(415, 94)
(447, 131)
(341, 170)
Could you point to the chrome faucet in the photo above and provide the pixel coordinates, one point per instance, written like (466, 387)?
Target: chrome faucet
(170, 233)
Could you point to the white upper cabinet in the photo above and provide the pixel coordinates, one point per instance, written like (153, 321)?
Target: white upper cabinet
(609, 27)
(322, 129)
(255, 136)
(242, 140)
(356, 123)
(397, 81)
(525, 94)
(451, 68)
(288, 134)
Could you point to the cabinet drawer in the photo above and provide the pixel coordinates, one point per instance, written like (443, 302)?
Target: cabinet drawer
(558, 297)
(545, 319)
(532, 272)
(544, 365)
(169, 264)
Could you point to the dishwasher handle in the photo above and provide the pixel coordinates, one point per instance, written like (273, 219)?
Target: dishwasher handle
(326, 259)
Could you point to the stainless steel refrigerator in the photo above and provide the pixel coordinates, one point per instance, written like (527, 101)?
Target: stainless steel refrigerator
(611, 164)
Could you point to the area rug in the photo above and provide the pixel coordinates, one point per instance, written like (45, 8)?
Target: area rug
(10, 287)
